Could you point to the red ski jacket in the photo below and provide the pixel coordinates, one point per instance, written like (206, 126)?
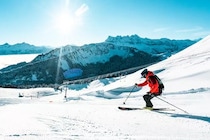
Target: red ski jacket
(152, 82)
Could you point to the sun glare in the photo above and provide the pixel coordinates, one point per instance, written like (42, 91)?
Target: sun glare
(67, 18)
(64, 22)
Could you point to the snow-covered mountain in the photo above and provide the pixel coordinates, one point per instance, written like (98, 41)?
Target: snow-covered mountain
(113, 45)
(85, 113)
(115, 54)
(22, 48)
(164, 47)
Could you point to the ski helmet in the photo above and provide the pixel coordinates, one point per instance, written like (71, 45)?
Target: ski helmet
(144, 73)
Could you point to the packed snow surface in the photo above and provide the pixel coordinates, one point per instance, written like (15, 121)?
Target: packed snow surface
(90, 111)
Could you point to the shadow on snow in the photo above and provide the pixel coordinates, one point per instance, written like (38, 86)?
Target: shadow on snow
(188, 116)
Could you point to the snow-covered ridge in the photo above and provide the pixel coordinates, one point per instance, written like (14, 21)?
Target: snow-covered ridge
(119, 45)
(92, 53)
(101, 53)
(151, 46)
(201, 47)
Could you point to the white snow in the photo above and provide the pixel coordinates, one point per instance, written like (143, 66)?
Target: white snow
(90, 110)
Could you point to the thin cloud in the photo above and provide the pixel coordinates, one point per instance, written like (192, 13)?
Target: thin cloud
(190, 30)
(67, 2)
(161, 29)
(202, 33)
(81, 10)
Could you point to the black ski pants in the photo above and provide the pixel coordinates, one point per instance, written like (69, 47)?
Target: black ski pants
(147, 98)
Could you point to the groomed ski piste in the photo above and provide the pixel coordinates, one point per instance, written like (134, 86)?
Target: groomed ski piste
(90, 111)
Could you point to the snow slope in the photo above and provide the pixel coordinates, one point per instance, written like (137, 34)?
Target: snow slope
(90, 110)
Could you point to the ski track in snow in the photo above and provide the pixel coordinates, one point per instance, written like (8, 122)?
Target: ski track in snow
(85, 119)
(90, 116)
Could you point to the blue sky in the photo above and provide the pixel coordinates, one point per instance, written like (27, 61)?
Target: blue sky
(60, 22)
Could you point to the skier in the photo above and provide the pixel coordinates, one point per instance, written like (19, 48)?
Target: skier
(155, 84)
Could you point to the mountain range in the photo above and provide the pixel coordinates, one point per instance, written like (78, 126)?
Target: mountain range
(22, 48)
(76, 62)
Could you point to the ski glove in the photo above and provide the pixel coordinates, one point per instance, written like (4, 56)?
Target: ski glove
(150, 94)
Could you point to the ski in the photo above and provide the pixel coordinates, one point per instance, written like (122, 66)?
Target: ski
(151, 109)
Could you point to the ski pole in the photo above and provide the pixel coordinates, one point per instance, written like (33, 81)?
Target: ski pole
(172, 105)
(129, 94)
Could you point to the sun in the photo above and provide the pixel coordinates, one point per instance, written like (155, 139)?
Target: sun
(67, 18)
(64, 22)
